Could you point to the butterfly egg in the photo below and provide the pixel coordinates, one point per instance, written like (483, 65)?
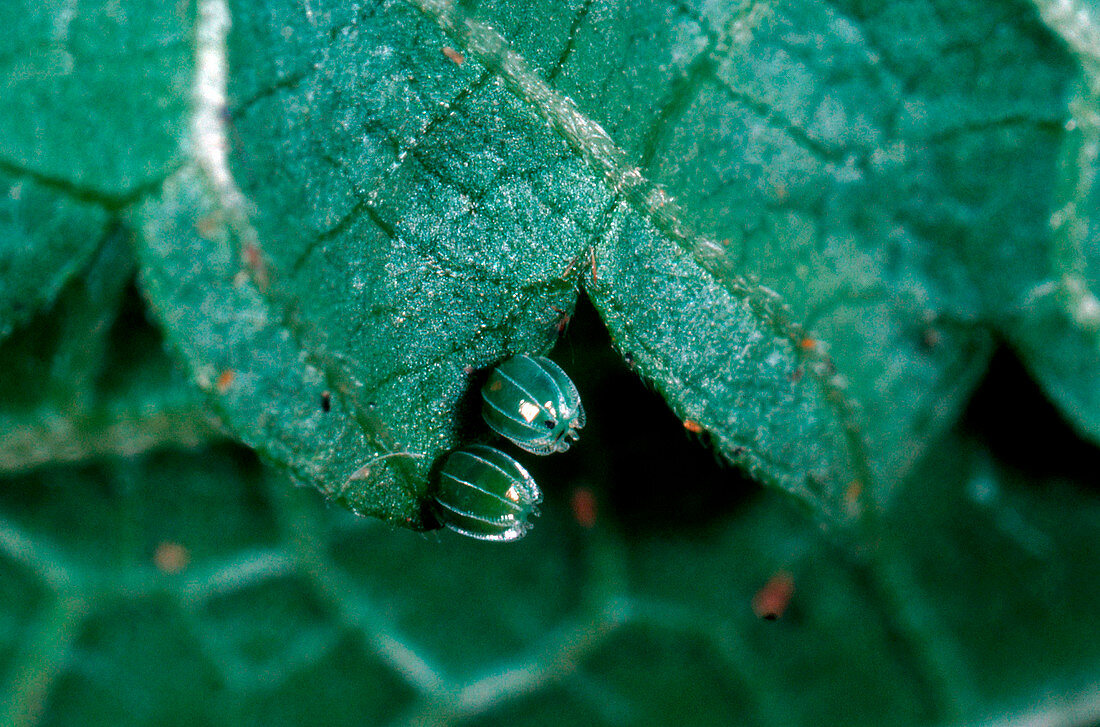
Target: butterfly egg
(532, 402)
(485, 494)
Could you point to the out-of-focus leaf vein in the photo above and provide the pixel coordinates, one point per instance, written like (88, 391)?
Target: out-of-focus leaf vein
(42, 659)
(352, 606)
(89, 195)
(37, 555)
(555, 658)
(241, 571)
(723, 635)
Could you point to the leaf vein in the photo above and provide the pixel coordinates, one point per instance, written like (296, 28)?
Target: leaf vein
(602, 154)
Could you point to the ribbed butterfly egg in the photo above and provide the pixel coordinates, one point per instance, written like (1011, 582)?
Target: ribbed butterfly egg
(532, 402)
(485, 494)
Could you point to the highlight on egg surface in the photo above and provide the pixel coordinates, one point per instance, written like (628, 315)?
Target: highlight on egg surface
(485, 494)
(532, 402)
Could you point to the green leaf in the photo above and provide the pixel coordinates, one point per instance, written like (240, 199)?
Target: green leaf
(95, 98)
(1057, 324)
(201, 588)
(45, 238)
(784, 215)
(831, 157)
(384, 299)
(781, 233)
(803, 224)
(89, 377)
(94, 103)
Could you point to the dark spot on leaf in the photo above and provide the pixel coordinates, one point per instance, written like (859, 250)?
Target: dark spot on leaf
(1023, 429)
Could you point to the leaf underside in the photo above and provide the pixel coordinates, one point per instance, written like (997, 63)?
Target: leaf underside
(410, 197)
(805, 225)
(372, 206)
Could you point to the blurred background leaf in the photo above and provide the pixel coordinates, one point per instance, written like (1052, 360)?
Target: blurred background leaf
(89, 375)
(199, 588)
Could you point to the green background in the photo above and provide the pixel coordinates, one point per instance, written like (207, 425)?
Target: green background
(256, 259)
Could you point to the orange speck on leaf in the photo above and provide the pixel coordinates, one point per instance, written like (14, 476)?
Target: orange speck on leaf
(225, 380)
(584, 507)
(570, 268)
(563, 319)
(171, 557)
(457, 58)
(254, 260)
(855, 489)
(207, 226)
(693, 426)
(808, 344)
(252, 256)
(771, 601)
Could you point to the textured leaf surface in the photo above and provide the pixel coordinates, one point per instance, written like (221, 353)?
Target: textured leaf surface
(782, 214)
(94, 102)
(1056, 325)
(804, 224)
(385, 306)
(836, 168)
(201, 588)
